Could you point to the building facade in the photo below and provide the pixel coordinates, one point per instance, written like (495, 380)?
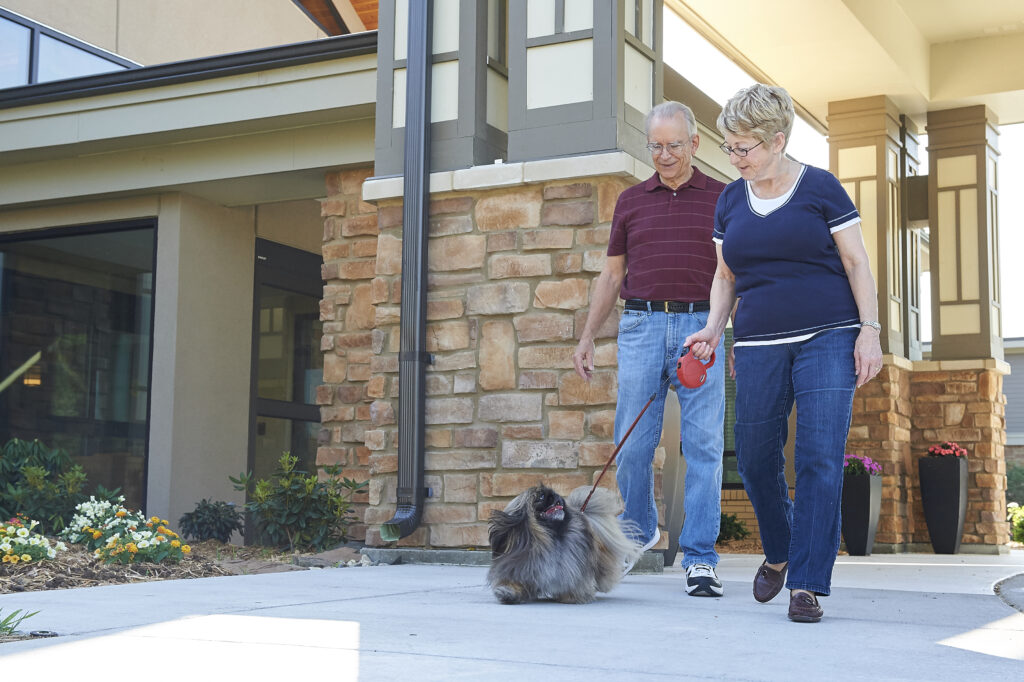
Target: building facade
(208, 251)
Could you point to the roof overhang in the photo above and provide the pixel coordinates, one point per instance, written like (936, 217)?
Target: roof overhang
(245, 128)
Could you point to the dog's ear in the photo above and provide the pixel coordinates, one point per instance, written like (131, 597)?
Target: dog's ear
(509, 531)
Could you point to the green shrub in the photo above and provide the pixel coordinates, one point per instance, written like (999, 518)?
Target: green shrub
(732, 529)
(1015, 484)
(41, 484)
(211, 521)
(1015, 515)
(297, 510)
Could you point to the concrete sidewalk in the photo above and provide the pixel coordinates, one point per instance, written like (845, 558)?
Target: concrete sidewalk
(912, 616)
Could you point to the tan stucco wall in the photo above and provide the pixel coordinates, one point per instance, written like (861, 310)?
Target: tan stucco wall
(201, 354)
(154, 32)
(292, 223)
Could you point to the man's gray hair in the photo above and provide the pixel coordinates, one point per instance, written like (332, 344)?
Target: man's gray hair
(671, 109)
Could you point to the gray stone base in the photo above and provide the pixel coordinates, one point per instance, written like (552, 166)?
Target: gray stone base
(926, 548)
(456, 557)
(650, 562)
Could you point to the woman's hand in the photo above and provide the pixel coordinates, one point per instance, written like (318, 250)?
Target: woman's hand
(702, 344)
(867, 355)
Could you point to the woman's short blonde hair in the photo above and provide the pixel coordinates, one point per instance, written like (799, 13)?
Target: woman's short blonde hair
(759, 111)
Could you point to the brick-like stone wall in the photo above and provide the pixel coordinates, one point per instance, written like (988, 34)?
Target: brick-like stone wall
(510, 277)
(351, 397)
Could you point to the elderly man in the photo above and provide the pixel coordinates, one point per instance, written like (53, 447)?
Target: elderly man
(661, 260)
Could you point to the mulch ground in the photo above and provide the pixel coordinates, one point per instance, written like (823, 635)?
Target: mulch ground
(76, 567)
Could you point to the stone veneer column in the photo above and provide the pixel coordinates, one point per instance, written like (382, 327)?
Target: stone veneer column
(511, 265)
(349, 411)
(880, 429)
(963, 401)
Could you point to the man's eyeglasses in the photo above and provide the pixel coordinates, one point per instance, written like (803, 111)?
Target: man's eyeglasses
(673, 147)
(738, 151)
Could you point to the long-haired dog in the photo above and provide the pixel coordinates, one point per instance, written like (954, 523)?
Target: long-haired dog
(543, 546)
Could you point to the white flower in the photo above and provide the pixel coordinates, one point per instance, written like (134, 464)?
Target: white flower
(23, 532)
(5, 547)
(10, 530)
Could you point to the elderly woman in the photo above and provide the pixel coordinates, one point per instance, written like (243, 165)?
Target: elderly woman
(790, 251)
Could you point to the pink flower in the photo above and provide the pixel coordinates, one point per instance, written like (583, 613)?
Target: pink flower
(946, 449)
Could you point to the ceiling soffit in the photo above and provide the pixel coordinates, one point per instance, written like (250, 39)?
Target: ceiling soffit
(923, 54)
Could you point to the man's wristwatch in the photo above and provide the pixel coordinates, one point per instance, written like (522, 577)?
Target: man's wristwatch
(874, 324)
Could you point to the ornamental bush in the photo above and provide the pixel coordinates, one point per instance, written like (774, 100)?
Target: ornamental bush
(732, 529)
(117, 535)
(40, 483)
(298, 510)
(19, 543)
(211, 521)
(1015, 515)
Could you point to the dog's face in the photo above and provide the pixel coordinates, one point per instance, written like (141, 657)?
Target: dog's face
(548, 506)
(537, 514)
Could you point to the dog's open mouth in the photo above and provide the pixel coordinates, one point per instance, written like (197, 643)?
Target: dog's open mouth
(555, 512)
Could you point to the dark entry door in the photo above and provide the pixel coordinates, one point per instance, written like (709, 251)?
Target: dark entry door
(287, 365)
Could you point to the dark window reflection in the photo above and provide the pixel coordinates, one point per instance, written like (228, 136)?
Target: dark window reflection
(290, 362)
(78, 311)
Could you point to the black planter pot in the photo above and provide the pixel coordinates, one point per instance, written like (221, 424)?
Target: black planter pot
(944, 498)
(862, 500)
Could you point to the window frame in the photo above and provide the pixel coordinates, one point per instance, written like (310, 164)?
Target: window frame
(36, 30)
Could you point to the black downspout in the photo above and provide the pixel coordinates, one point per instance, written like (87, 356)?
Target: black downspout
(413, 358)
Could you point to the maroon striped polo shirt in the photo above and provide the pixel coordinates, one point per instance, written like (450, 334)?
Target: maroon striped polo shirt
(666, 237)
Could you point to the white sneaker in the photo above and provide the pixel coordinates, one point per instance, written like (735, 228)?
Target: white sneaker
(628, 564)
(702, 581)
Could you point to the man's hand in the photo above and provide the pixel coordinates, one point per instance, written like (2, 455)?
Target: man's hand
(583, 358)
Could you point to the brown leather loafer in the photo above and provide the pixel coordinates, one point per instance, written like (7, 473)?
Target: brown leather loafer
(804, 608)
(768, 582)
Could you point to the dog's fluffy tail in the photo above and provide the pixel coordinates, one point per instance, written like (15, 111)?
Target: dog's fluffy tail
(612, 534)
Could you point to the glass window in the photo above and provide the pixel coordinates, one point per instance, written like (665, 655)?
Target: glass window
(14, 53)
(291, 365)
(277, 435)
(288, 363)
(75, 334)
(59, 60)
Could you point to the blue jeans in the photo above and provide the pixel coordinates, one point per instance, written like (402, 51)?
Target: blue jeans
(818, 374)
(650, 344)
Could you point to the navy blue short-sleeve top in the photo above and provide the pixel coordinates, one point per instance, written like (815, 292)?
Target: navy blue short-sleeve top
(790, 280)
